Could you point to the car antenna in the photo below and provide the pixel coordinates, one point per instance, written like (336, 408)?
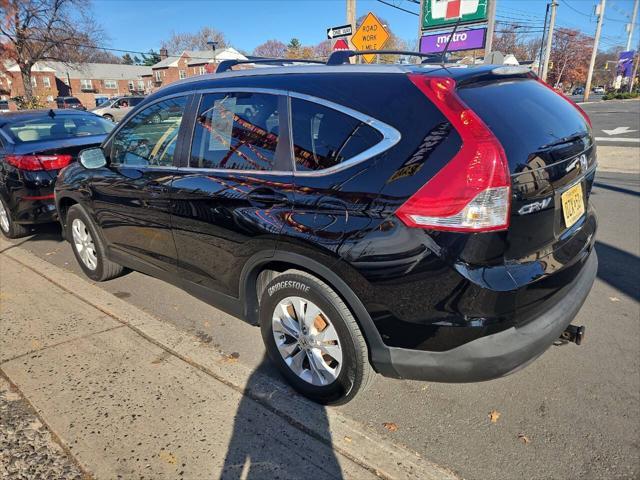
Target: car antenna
(446, 47)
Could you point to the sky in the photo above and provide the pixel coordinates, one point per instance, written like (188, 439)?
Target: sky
(140, 25)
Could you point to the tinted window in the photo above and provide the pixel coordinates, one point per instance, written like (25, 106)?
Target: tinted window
(135, 101)
(324, 137)
(150, 137)
(57, 127)
(72, 101)
(524, 115)
(237, 131)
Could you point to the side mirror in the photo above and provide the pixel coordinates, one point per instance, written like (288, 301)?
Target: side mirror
(92, 158)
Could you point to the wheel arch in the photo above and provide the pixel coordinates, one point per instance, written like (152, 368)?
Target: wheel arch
(251, 286)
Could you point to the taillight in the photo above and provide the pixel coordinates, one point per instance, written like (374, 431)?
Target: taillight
(39, 162)
(577, 107)
(471, 193)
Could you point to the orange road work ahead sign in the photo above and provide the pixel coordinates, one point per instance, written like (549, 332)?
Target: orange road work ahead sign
(371, 35)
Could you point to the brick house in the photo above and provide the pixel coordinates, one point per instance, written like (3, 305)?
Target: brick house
(190, 63)
(89, 82)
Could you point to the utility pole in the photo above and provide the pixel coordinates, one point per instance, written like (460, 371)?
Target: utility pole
(351, 20)
(600, 12)
(491, 25)
(635, 70)
(544, 33)
(632, 24)
(547, 54)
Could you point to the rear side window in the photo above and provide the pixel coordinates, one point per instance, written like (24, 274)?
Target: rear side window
(71, 101)
(135, 101)
(57, 127)
(324, 137)
(237, 131)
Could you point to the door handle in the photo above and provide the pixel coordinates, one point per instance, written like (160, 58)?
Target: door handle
(266, 196)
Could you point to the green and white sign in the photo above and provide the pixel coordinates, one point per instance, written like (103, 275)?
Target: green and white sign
(444, 13)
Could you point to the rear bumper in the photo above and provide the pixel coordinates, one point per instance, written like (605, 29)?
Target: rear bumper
(501, 353)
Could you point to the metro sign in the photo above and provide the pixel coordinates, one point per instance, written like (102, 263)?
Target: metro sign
(439, 13)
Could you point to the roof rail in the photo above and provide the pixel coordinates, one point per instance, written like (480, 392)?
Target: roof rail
(226, 65)
(342, 56)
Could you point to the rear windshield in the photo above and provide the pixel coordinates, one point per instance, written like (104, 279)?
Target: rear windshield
(71, 100)
(525, 115)
(56, 128)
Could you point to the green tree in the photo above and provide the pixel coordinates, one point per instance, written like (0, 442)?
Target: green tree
(126, 59)
(150, 58)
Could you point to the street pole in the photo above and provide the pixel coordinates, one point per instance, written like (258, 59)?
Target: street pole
(420, 29)
(632, 24)
(544, 32)
(635, 70)
(491, 22)
(592, 64)
(547, 54)
(351, 20)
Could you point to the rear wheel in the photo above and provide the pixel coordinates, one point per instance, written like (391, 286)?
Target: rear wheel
(88, 247)
(108, 117)
(8, 227)
(313, 339)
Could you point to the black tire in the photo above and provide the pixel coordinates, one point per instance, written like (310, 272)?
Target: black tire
(105, 269)
(355, 374)
(106, 116)
(14, 230)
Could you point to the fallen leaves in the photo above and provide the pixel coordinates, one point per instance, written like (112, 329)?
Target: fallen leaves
(231, 358)
(494, 415)
(168, 457)
(523, 438)
(347, 439)
(614, 299)
(392, 427)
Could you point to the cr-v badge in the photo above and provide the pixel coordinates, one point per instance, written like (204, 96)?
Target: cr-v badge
(534, 206)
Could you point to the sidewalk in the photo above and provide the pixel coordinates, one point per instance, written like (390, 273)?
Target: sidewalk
(619, 159)
(132, 397)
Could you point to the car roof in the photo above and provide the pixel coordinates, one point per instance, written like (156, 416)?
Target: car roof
(456, 71)
(21, 115)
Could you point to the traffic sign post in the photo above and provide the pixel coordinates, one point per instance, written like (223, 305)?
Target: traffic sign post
(370, 36)
(341, 31)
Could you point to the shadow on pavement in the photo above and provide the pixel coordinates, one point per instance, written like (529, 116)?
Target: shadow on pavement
(46, 231)
(270, 454)
(619, 269)
(616, 189)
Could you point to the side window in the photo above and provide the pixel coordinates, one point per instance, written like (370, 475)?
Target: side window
(149, 138)
(236, 131)
(324, 137)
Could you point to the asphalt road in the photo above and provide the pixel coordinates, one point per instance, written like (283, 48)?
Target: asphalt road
(615, 114)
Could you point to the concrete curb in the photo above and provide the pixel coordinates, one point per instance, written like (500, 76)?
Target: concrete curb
(364, 447)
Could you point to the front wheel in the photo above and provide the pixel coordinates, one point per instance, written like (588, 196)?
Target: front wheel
(313, 339)
(88, 247)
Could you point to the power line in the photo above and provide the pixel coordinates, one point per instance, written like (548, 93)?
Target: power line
(399, 8)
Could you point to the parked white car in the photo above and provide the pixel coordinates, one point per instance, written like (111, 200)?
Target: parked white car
(116, 108)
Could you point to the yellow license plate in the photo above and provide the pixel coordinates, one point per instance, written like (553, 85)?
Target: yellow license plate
(572, 205)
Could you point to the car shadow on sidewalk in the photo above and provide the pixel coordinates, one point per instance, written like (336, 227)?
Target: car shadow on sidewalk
(619, 269)
(273, 454)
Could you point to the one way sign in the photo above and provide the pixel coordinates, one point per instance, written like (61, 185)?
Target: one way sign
(341, 31)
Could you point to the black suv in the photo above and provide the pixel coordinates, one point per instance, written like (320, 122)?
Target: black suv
(422, 221)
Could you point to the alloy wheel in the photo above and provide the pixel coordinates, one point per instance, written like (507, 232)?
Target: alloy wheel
(84, 244)
(4, 218)
(307, 341)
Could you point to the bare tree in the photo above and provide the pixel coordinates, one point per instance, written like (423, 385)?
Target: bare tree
(271, 49)
(179, 42)
(37, 30)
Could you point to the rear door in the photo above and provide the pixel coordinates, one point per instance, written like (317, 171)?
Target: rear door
(233, 194)
(131, 196)
(552, 159)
